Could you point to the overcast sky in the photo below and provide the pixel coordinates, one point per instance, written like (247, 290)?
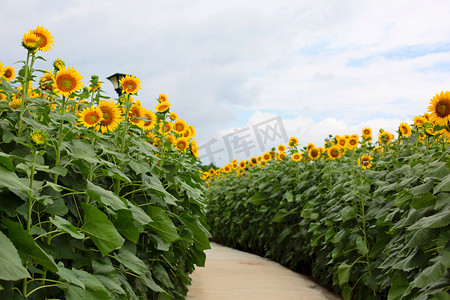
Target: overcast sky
(321, 66)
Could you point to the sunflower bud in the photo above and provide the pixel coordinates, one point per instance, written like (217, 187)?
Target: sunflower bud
(39, 137)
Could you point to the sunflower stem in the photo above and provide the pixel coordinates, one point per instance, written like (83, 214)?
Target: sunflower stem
(24, 92)
(30, 196)
(60, 137)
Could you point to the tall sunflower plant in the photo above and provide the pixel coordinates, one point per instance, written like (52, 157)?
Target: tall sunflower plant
(96, 201)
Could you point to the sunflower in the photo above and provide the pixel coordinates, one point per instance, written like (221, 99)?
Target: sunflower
(67, 81)
(16, 102)
(179, 125)
(313, 153)
(266, 156)
(440, 109)
(39, 137)
(310, 145)
(2, 69)
(162, 98)
(430, 131)
(263, 164)
(182, 144)
(171, 139)
(30, 41)
(405, 129)
(353, 141)
(2, 95)
(365, 161)
(240, 172)
(342, 141)
(296, 157)
(47, 82)
(334, 152)
(186, 133)
(234, 165)
(163, 107)
(293, 142)
(9, 73)
(91, 116)
(445, 132)
(192, 130)
(419, 121)
(130, 84)
(367, 134)
(281, 155)
(151, 120)
(227, 168)
(173, 116)
(135, 113)
(194, 148)
(167, 127)
(242, 164)
(281, 148)
(427, 116)
(111, 116)
(58, 64)
(253, 161)
(45, 38)
(385, 137)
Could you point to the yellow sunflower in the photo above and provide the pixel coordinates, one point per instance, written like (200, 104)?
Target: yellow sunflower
(234, 165)
(242, 164)
(2, 95)
(281, 155)
(166, 128)
(263, 164)
(111, 116)
(353, 141)
(162, 98)
(171, 139)
(67, 81)
(9, 73)
(163, 106)
(334, 152)
(266, 156)
(342, 141)
(135, 113)
(227, 168)
(173, 116)
(296, 157)
(310, 145)
(293, 141)
(90, 116)
(385, 137)
(59, 64)
(16, 102)
(405, 129)
(445, 132)
(150, 121)
(253, 161)
(30, 41)
(45, 38)
(281, 148)
(192, 130)
(240, 172)
(440, 109)
(130, 84)
(419, 121)
(367, 134)
(365, 161)
(182, 144)
(47, 82)
(194, 148)
(179, 125)
(313, 153)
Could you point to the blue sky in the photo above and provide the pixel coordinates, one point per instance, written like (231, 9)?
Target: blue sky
(324, 67)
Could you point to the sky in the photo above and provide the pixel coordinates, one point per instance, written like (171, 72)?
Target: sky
(250, 74)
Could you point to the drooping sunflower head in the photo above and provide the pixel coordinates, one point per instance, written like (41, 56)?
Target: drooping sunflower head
(162, 98)
(419, 121)
(173, 116)
(130, 84)
(162, 107)
(16, 102)
(45, 38)
(47, 82)
(150, 120)
(58, 64)
(293, 141)
(334, 152)
(179, 125)
(67, 81)
(194, 148)
(313, 153)
(30, 41)
(365, 161)
(405, 129)
(39, 137)
(182, 144)
(9, 73)
(440, 109)
(90, 116)
(296, 157)
(111, 116)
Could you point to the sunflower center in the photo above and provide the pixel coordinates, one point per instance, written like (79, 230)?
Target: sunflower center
(314, 153)
(42, 40)
(353, 142)
(365, 162)
(129, 85)
(92, 118)
(66, 83)
(443, 108)
(335, 153)
(8, 73)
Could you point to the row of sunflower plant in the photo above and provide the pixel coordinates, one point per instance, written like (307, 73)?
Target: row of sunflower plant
(370, 220)
(99, 199)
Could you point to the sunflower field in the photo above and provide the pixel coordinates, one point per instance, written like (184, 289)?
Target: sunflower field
(367, 219)
(99, 198)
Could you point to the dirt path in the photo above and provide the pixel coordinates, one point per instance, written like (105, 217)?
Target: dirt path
(233, 274)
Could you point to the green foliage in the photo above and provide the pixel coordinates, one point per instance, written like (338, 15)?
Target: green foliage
(379, 233)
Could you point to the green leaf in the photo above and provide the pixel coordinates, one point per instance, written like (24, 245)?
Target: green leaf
(94, 289)
(361, 245)
(423, 200)
(104, 271)
(100, 229)
(433, 272)
(26, 245)
(69, 276)
(10, 180)
(11, 267)
(257, 199)
(423, 188)
(148, 280)
(67, 227)
(140, 215)
(160, 274)
(59, 170)
(162, 224)
(131, 261)
(106, 197)
(438, 220)
(125, 225)
(398, 287)
(348, 213)
(6, 160)
(343, 273)
(200, 233)
(155, 185)
(83, 151)
(444, 186)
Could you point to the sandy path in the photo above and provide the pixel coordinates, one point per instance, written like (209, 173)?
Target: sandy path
(233, 274)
